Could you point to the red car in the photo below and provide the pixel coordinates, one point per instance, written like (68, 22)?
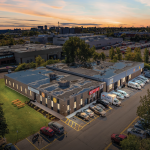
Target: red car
(117, 138)
(47, 131)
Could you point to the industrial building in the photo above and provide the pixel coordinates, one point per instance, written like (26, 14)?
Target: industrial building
(66, 89)
(94, 40)
(59, 91)
(28, 52)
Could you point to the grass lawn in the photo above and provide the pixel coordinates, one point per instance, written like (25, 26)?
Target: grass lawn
(26, 120)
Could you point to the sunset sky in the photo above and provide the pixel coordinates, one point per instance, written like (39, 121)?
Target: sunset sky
(100, 13)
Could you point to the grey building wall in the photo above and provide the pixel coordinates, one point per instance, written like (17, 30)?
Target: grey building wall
(28, 56)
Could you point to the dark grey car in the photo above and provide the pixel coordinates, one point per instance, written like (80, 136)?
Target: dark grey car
(58, 128)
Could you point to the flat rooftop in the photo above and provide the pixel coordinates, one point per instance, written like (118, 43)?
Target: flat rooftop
(39, 79)
(22, 48)
(104, 70)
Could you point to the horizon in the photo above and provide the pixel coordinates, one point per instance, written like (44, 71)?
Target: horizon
(21, 14)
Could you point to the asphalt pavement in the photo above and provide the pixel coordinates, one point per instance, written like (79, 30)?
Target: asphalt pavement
(96, 134)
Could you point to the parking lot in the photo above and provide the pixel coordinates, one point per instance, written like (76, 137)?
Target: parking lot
(39, 144)
(75, 125)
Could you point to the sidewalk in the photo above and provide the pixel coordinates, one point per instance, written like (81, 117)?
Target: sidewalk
(48, 110)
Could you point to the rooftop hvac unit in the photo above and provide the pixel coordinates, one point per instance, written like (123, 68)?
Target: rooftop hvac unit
(64, 83)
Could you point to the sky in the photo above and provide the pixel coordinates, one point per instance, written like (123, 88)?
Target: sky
(25, 14)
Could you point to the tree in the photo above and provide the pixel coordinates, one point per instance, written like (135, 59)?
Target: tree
(138, 56)
(76, 50)
(131, 143)
(119, 54)
(103, 56)
(97, 56)
(39, 61)
(3, 125)
(111, 53)
(143, 111)
(146, 55)
(123, 36)
(114, 58)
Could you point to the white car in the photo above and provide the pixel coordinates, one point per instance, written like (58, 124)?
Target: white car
(139, 82)
(137, 132)
(123, 93)
(143, 78)
(118, 95)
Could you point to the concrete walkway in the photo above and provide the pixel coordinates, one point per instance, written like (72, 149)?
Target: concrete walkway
(48, 110)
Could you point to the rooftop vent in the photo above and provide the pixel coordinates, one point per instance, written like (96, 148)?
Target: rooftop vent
(52, 76)
(64, 83)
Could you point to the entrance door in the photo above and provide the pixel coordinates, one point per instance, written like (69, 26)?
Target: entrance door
(115, 85)
(34, 96)
(127, 79)
(86, 101)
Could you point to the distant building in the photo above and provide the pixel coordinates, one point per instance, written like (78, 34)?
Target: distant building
(40, 27)
(34, 29)
(17, 30)
(45, 27)
(5, 31)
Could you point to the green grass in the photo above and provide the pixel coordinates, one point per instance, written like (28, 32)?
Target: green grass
(26, 120)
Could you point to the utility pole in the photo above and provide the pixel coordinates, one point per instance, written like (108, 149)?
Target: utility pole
(58, 27)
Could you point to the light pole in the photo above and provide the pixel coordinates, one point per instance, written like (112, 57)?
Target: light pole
(17, 136)
(45, 118)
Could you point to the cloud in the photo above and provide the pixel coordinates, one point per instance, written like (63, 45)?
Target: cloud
(146, 2)
(86, 24)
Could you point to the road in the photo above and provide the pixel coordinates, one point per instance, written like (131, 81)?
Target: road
(96, 136)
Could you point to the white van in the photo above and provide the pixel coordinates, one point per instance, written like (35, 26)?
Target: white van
(134, 85)
(139, 82)
(143, 78)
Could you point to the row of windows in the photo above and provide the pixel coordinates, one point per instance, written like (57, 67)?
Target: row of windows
(8, 56)
(18, 87)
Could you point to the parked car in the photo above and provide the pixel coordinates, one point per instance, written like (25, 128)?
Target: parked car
(125, 94)
(147, 74)
(58, 128)
(137, 132)
(119, 96)
(140, 125)
(117, 138)
(100, 105)
(138, 78)
(9, 146)
(98, 110)
(144, 78)
(83, 116)
(139, 82)
(89, 112)
(103, 102)
(47, 131)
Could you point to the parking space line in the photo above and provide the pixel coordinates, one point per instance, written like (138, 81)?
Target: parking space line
(109, 109)
(32, 144)
(80, 119)
(123, 131)
(53, 141)
(17, 147)
(44, 137)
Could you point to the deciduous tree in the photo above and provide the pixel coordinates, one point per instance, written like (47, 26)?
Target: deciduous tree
(39, 61)
(146, 55)
(111, 53)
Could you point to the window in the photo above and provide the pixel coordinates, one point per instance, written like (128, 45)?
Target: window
(75, 99)
(118, 82)
(21, 88)
(68, 102)
(110, 86)
(9, 83)
(25, 90)
(68, 107)
(130, 76)
(13, 84)
(75, 104)
(51, 103)
(17, 86)
(81, 95)
(58, 106)
(30, 93)
(141, 70)
(40, 97)
(6, 81)
(51, 97)
(58, 101)
(123, 79)
(45, 100)
(81, 102)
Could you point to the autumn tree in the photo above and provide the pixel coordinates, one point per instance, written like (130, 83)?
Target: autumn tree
(39, 61)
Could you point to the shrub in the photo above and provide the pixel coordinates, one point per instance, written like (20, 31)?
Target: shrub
(42, 111)
(38, 109)
(146, 65)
